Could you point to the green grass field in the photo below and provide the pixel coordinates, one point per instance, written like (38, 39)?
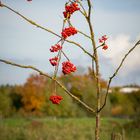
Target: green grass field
(62, 129)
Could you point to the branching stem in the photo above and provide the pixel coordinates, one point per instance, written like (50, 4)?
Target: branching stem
(116, 72)
(48, 76)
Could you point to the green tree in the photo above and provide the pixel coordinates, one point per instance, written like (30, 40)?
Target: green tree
(5, 102)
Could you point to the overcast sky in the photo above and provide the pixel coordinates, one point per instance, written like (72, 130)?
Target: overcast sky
(22, 43)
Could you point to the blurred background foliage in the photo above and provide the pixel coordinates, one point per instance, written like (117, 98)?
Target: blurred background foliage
(26, 112)
(32, 98)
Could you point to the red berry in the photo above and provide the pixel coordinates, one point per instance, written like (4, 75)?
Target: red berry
(54, 61)
(105, 47)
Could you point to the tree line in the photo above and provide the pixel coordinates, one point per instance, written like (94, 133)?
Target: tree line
(32, 98)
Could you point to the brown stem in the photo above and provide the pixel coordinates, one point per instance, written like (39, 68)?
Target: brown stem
(58, 83)
(93, 69)
(97, 128)
(59, 54)
(56, 68)
(65, 55)
(85, 13)
(59, 58)
(116, 72)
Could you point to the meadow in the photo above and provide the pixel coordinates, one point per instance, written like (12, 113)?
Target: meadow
(64, 129)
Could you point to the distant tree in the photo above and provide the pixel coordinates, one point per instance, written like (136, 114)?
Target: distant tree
(5, 102)
(134, 98)
(33, 96)
(16, 97)
(121, 104)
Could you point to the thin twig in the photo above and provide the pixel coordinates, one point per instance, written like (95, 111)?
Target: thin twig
(116, 72)
(70, 24)
(84, 34)
(77, 44)
(84, 13)
(89, 10)
(65, 55)
(95, 54)
(46, 75)
(59, 53)
(99, 46)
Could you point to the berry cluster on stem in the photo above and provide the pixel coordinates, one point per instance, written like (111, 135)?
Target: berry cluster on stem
(102, 41)
(70, 9)
(55, 48)
(68, 32)
(67, 66)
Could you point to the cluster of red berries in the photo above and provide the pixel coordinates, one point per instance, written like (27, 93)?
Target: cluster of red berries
(55, 48)
(54, 61)
(70, 9)
(68, 67)
(56, 99)
(68, 32)
(103, 42)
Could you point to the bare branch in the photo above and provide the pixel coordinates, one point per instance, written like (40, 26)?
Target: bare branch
(84, 13)
(95, 54)
(65, 55)
(59, 55)
(24, 66)
(116, 72)
(46, 29)
(46, 75)
(30, 21)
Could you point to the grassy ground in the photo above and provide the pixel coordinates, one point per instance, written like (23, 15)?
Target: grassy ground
(62, 129)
